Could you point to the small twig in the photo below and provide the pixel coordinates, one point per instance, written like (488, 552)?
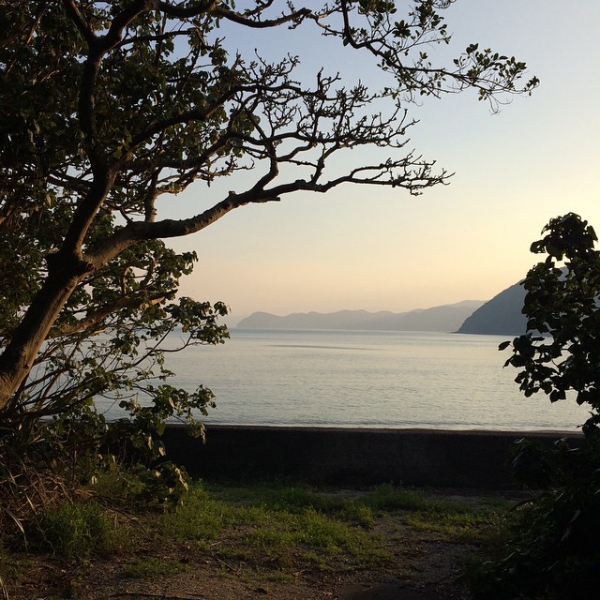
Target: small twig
(222, 562)
(133, 518)
(3, 589)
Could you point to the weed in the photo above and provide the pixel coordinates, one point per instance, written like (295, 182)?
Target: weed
(75, 530)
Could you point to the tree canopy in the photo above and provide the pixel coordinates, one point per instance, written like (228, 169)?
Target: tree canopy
(108, 107)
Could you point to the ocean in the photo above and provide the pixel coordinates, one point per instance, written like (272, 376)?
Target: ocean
(367, 379)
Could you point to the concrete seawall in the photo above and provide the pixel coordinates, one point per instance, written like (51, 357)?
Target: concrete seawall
(462, 459)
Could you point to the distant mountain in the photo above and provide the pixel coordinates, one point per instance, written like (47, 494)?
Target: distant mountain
(500, 316)
(440, 318)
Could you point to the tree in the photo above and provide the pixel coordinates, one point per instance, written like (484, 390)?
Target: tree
(560, 351)
(554, 549)
(108, 107)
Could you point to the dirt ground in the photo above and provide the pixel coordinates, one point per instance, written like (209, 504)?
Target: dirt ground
(428, 571)
(424, 568)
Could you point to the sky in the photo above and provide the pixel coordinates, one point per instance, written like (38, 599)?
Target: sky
(383, 249)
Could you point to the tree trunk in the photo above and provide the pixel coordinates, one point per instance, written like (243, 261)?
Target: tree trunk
(18, 357)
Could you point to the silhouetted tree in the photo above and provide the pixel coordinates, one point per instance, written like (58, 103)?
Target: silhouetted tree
(107, 107)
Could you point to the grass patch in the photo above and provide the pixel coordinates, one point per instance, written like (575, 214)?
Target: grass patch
(291, 528)
(153, 568)
(460, 526)
(286, 527)
(448, 518)
(387, 497)
(75, 530)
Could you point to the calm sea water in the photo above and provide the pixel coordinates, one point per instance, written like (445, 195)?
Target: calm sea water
(367, 379)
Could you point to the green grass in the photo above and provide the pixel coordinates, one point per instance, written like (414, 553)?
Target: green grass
(151, 568)
(299, 527)
(287, 526)
(449, 519)
(473, 527)
(269, 531)
(76, 530)
(387, 497)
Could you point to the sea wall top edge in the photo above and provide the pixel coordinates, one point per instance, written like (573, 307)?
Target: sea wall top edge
(391, 430)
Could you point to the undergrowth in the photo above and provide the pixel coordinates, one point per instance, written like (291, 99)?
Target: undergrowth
(77, 529)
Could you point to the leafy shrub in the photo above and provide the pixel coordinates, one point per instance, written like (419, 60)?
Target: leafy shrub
(553, 553)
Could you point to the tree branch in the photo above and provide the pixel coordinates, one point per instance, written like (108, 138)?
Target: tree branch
(95, 317)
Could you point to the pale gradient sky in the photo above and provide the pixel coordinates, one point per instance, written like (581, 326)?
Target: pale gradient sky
(382, 249)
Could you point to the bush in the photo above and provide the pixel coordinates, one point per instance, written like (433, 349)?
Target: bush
(553, 553)
(553, 550)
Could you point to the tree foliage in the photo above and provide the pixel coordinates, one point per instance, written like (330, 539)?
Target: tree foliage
(554, 549)
(110, 109)
(560, 351)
